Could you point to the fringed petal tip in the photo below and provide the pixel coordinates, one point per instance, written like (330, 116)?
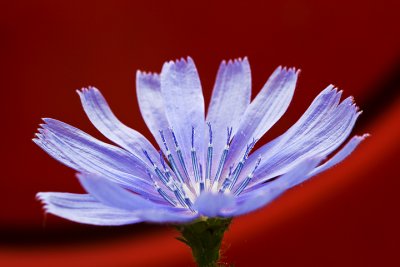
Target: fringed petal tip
(147, 81)
(85, 90)
(288, 70)
(147, 74)
(46, 126)
(362, 137)
(236, 61)
(43, 198)
(178, 63)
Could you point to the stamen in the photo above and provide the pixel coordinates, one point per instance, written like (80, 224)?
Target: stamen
(171, 158)
(246, 181)
(162, 160)
(236, 173)
(148, 157)
(201, 177)
(161, 191)
(209, 154)
(180, 156)
(209, 132)
(223, 156)
(227, 181)
(180, 198)
(175, 168)
(168, 181)
(240, 165)
(194, 160)
(228, 140)
(174, 137)
(166, 170)
(160, 175)
(189, 204)
(164, 195)
(183, 199)
(163, 140)
(192, 137)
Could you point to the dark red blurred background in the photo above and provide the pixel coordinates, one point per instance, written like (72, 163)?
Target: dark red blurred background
(348, 216)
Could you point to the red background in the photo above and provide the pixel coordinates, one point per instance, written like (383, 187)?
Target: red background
(345, 217)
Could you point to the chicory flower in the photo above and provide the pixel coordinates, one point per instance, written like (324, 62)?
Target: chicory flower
(205, 167)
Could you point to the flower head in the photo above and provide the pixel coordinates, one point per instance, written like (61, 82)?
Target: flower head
(205, 166)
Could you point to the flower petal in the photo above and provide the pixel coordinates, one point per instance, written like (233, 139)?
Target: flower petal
(104, 120)
(108, 154)
(340, 155)
(83, 208)
(321, 107)
(184, 104)
(151, 103)
(321, 129)
(214, 204)
(113, 195)
(256, 199)
(230, 98)
(265, 110)
(83, 153)
(318, 142)
(166, 216)
(152, 107)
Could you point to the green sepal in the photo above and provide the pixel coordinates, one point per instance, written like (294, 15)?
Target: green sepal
(204, 237)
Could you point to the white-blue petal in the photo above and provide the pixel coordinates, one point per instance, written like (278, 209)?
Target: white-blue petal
(83, 208)
(82, 152)
(113, 195)
(230, 98)
(152, 107)
(151, 104)
(184, 104)
(320, 141)
(321, 107)
(106, 122)
(255, 199)
(264, 111)
(340, 155)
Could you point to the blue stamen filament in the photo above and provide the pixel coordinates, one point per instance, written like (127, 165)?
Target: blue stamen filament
(209, 154)
(209, 162)
(174, 167)
(227, 181)
(171, 159)
(164, 195)
(246, 181)
(240, 165)
(194, 160)
(232, 178)
(160, 175)
(167, 179)
(161, 191)
(223, 156)
(201, 179)
(236, 173)
(180, 156)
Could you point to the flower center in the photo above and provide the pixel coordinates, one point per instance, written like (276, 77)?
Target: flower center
(178, 189)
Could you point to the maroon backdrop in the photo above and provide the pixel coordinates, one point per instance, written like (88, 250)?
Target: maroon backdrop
(346, 217)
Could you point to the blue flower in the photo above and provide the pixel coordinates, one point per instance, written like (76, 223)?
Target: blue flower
(206, 167)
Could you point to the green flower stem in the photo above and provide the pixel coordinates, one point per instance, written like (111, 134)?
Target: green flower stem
(204, 237)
